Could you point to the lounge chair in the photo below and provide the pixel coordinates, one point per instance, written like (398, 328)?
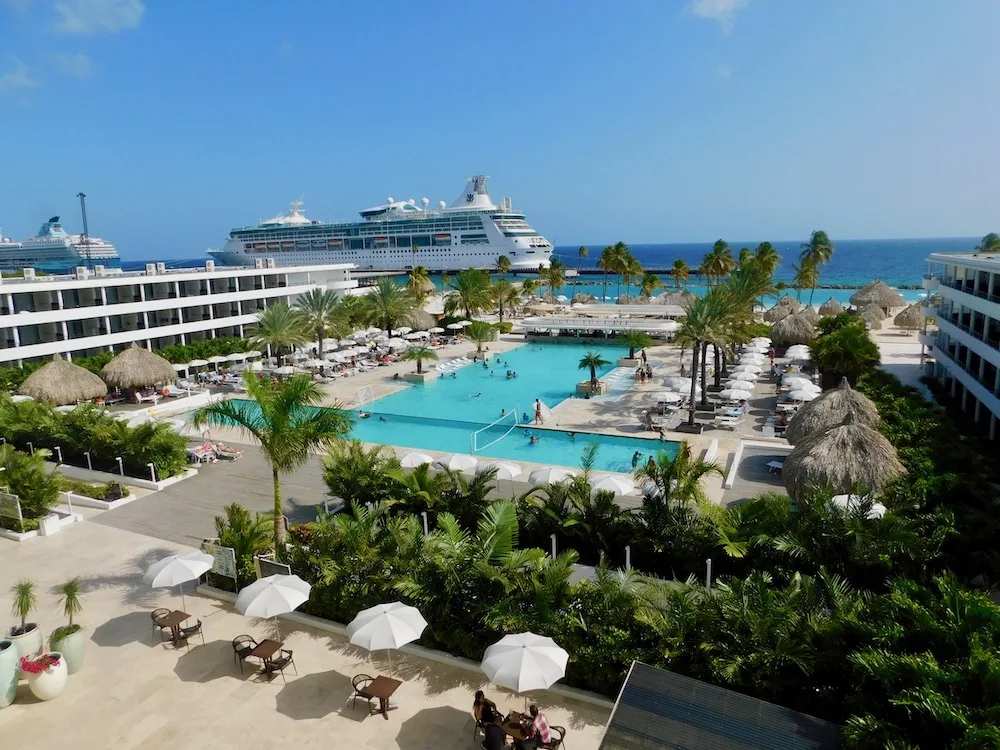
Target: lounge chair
(242, 646)
(224, 451)
(172, 391)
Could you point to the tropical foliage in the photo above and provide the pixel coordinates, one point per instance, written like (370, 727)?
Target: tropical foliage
(321, 313)
(818, 251)
(420, 354)
(592, 361)
(280, 329)
(248, 535)
(481, 333)
(469, 292)
(387, 305)
(846, 351)
(30, 478)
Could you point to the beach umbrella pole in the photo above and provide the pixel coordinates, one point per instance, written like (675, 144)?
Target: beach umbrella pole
(183, 602)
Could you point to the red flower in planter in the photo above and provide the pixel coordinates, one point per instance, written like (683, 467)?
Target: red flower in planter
(39, 665)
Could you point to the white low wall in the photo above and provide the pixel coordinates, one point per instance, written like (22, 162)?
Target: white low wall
(100, 477)
(738, 456)
(441, 657)
(89, 502)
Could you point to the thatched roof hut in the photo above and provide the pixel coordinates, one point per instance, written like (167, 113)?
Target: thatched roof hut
(420, 320)
(829, 410)
(911, 318)
(682, 298)
(137, 367)
(61, 382)
(793, 329)
(844, 458)
(877, 293)
(641, 299)
(583, 298)
(810, 314)
(873, 315)
(831, 307)
(791, 302)
(778, 312)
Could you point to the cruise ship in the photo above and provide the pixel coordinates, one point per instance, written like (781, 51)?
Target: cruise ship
(54, 251)
(396, 236)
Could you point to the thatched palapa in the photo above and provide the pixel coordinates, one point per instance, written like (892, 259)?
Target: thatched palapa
(682, 298)
(583, 299)
(810, 314)
(831, 307)
(829, 410)
(793, 329)
(778, 312)
(873, 315)
(849, 457)
(911, 318)
(61, 382)
(790, 301)
(877, 293)
(137, 367)
(420, 320)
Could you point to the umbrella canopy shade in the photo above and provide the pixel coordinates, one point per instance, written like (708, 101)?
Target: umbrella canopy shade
(272, 596)
(455, 462)
(911, 318)
(797, 349)
(374, 330)
(179, 367)
(137, 367)
(286, 370)
(253, 353)
(177, 569)
(829, 410)
(843, 458)
(756, 369)
(752, 359)
(550, 475)
(778, 312)
(414, 336)
(803, 394)
(386, 626)
(143, 417)
(794, 329)
(197, 363)
(524, 662)
(61, 382)
(314, 362)
(218, 360)
(504, 470)
(359, 335)
(413, 459)
(402, 330)
(612, 483)
(747, 375)
(877, 293)
(667, 397)
(734, 394)
(454, 326)
(831, 307)
(848, 502)
(465, 323)
(435, 329)
(236, 357)
(396, 343)
(681, 384)
(760, 340)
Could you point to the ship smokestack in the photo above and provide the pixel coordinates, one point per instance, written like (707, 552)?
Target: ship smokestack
(83, 210)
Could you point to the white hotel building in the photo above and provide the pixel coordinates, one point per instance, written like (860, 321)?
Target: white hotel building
(106, 310)
(966, 348)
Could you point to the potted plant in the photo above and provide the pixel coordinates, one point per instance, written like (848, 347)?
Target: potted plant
(69, 639)
(27, 637)
(46, 674)
(9, 673)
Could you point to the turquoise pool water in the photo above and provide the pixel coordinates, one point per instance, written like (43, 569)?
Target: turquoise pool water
(443, 414)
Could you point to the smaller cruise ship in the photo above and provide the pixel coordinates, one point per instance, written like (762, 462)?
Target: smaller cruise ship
(54, 251)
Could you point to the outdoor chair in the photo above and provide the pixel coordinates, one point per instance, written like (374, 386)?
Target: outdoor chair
(157, 615)
(190, 632)
(283, 660)
(359, 682)
(558, 734)
(242, 646)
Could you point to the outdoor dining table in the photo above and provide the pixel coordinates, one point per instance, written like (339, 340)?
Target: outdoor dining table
(383, 688)
(513, 727)
(173, 621)
(264, 651)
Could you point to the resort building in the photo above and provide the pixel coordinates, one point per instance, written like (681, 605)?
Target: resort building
(966, 348)
(106, 310)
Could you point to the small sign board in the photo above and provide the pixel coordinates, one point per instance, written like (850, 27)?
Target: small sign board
(225, 559)
(10, 507)
(267, 567)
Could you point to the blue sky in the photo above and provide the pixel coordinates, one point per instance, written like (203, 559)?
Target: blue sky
(660, 121)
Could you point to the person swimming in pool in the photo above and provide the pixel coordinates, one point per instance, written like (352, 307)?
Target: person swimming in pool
(475, 395)
(525, 418)
(534, 440)
(635, 459)
(572, 435)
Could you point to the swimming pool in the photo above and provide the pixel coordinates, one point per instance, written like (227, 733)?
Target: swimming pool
(443, 414)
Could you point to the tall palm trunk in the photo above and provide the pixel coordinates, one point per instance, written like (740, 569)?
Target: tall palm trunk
(704, 375)
(694, 381)
(718, 370)
(604, 287)
(319, 343)
(279, 518)
(811, 293)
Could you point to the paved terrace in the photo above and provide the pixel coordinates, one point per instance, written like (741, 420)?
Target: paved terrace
(136, 692)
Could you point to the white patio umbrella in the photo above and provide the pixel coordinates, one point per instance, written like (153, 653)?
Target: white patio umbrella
(846, 501)
(176, 570)
(455, 462)
(612, 483)
(800, 383)
(681, 385)
(396, 343)
(465, 323)
(272, 596)
(236, 357)
(314, 362)
(801, 357)
(803, 395)
(524, 662)
(748, 375)
(402, 330)
(751, 358)
(253, 353)
(345, 342)
(413, 459)
(286, 370)
(143, 417)
(386, 626)
(734, 394)
(435, 329)
(412, 336)
(374, 330)
(359, 335)
(550, 475)
(667, 397)
(562, 298)
(761, 340)
(756, 369)
(504, 469)
(454, 326)
(197, 363)
(181, 367)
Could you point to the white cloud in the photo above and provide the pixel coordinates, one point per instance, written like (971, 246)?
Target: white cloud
(75, 66)
(18, 78)
(97, 16)
(723, 11)
(723, 71)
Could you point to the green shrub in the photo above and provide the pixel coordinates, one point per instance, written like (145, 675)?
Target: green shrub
(108, 492)
(27, 476)
(505, 327)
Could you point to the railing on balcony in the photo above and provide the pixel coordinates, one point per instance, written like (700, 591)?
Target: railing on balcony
(970, 288)
(993, 343)
(942, 353)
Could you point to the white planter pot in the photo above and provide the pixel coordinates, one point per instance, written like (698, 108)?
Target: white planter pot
(49, 525)
(9, 672)
(28, 644)
(72, 648)
(48, 684)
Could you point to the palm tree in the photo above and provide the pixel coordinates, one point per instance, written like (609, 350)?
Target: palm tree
(480, 332)
(503, 264)
(680, 273)
(718, 262)
(766, 257)
(816, 252)
(847, 352)
(422, 484)
(248, 536)
(505, 295)
(678, 478)
(989, 244)
(580, 255)
(649, 283)
(606, 262)
(703, 322)
(414, 248)
(278, 416)
(635, 340)
(388, 304)
(744, 257)
(352, 308)
(806, 277)
(619, 259)
(592, 360)
(279, 327)
(320, 310)
(530, 287)
(631, 271)
(470, 292)
(418, 283)
(357, 474)
(420, 354)
(554, 275)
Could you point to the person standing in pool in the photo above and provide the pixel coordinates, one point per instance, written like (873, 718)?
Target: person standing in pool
(538, 412)
(635, 459)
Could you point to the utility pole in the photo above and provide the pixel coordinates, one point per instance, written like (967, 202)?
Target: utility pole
(83, 210)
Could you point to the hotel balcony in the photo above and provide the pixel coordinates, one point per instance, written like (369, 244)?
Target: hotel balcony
(930, 282)
(927, 338)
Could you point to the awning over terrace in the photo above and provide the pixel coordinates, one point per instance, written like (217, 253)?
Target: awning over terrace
(605, 325)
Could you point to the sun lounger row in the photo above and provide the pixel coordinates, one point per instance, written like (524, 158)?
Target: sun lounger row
(454, 364)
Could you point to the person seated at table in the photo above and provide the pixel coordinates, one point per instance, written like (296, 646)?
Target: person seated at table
(536, 726)
(496, 737)
(484, 709)
(782, 420)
